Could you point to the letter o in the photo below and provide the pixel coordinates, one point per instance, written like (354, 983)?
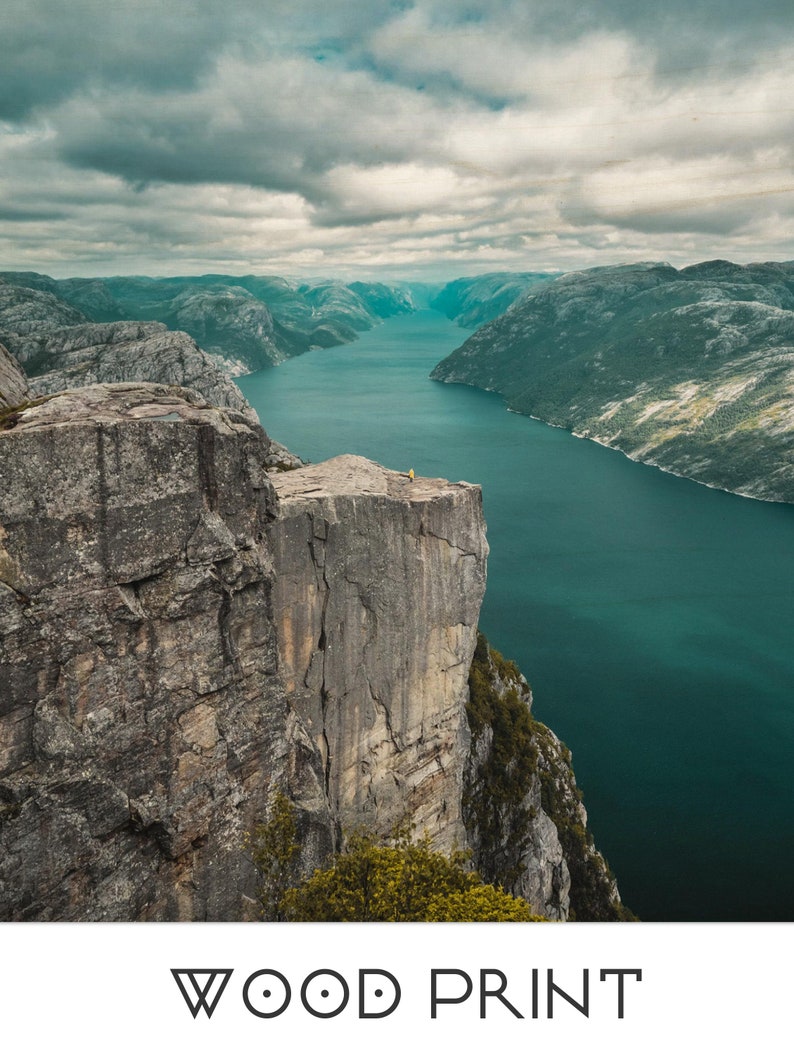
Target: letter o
(324, 1014)
(266, 994)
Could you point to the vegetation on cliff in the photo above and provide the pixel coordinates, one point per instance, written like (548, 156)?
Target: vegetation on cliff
(519, 768)
(495, 800)
(519, 779)
(373, 880)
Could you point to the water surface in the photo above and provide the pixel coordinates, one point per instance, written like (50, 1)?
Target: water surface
(652, 616)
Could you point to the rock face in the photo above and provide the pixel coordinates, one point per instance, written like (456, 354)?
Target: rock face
(143, 722)
(515, 843)
(379, 586)
(688, 370)
(25, 310)
(190, 627)
(14, 388)
(157, 599)
(106, 353)
(228, 322)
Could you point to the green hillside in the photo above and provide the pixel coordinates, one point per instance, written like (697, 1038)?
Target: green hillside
(691, 370)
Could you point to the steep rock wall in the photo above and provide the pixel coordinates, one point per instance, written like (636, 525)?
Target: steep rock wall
(379, 586)
(143, 723)
(514, 841)
(14, 387)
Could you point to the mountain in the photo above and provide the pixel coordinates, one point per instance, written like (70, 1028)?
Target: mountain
(691, 370)
(248, 322)
(475, 301)
(26, 309)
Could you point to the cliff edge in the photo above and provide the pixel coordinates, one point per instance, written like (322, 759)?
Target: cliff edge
(180, 639)
(379, 586)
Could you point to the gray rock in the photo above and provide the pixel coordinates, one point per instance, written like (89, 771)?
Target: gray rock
(14, 388)
(147, 718)
(143, 722)
(379, 586)
(186, 632)
(514, 842)
(525, 821)
(24, 310)
(106, 353)
(229, 322)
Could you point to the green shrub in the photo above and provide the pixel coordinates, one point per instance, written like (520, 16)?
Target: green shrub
(374, 881)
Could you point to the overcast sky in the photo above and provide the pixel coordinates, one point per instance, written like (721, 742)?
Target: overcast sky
(429, 139)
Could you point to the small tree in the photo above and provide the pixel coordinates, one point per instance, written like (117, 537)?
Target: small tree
(274, 850)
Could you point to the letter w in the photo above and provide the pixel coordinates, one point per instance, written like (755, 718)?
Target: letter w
(200, 995)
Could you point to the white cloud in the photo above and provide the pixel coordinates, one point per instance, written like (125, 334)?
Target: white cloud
(410, 137)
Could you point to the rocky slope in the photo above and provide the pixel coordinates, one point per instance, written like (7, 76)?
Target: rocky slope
(93, 353)
(60, 349)
(27, 309)
(690, 370)
(14, 387)
(475, 301)
(229, 323)
(522, 809)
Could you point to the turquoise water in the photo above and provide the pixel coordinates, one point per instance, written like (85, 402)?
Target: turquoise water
(652, 616)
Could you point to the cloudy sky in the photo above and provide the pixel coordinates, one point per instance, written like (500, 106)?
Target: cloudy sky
(426, 140)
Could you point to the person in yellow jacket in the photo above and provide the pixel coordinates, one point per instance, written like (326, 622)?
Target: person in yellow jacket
(410, 474)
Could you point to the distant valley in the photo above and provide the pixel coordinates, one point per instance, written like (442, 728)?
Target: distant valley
(471, 302)
(690, 370)
(248, 322)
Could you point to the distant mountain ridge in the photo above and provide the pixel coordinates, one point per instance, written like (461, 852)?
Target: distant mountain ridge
(691, 370)
(471, 302)
(248, 322)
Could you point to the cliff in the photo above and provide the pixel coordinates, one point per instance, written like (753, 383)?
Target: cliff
(524, 816)
(688, 370)
(143, 721)
(379, 586)
(186, 632)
